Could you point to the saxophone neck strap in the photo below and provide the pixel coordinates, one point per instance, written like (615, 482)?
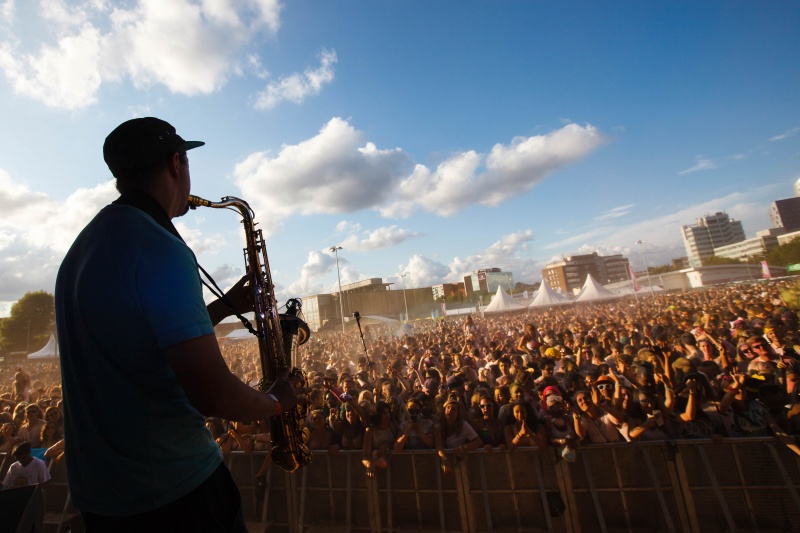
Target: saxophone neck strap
(144, 202)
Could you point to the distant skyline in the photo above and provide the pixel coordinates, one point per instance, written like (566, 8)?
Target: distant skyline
(433, 138)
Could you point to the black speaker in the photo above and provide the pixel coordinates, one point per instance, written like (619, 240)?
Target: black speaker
(18, 509)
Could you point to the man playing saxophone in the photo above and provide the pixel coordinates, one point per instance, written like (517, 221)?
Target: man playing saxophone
(141, 367)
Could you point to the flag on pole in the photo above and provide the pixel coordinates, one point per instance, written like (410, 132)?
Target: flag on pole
(636, 287)
(765, 270)
(444, 309)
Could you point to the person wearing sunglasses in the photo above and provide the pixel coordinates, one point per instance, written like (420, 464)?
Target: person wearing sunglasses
(487, 426)
(763, 353)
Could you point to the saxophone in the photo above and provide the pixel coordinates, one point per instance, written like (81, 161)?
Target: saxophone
(278, 337)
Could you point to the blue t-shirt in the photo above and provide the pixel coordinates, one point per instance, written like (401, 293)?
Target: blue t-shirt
(128, 289)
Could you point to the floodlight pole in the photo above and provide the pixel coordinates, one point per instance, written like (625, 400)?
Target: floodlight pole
(646, 268)
(335, 250)
(405, 302)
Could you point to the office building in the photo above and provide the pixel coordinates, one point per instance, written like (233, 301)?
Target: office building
(447, 291)
(785, 214)
(487, 280)
(758, 246)
(571, 272)
(710, 232)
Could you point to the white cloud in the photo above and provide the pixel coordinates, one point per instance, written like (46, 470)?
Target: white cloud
(422, 272)
(337, 171)
(188, 46)
(317, 266)
(509, 170)
(64, 76)
(347, 226)
(296, 87)
(784, 135)
(509, 253)
(701, 164)
(199, 242)
(613, 213)
(36, 231)
(340, 171)
(6, 16)
(380, 238)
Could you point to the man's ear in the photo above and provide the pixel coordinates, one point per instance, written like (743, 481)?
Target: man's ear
(174, 164)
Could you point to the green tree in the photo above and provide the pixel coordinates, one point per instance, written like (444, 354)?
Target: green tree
(785, 254)
(30, 323)
(716, 260)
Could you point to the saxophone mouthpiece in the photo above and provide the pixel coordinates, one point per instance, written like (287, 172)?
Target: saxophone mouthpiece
(195, 202)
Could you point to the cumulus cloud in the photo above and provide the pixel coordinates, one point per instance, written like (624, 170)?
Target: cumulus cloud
(317, 266)
(340, 171)
(337, 171)
(36, 231)
(378, 239)
(422, 272)
(188, 46)
(468, 178)
(296, 87)
(510, 253)
(701, 164)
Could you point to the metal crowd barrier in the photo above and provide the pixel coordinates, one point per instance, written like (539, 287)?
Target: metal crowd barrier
(674, 486)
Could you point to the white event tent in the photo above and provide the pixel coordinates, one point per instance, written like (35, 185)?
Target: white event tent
(547, 297)
(501, 301)
(50, 350)
(592, 291)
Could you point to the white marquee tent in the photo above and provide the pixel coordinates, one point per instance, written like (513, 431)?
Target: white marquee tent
(501, 301)
(592, 291)
(547, 297)
(50, 350)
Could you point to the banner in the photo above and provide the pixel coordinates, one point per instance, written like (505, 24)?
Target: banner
(765, 270)
(636, 287)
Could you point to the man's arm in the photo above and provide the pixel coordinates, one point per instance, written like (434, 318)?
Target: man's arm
(239, 296)
(214, 391)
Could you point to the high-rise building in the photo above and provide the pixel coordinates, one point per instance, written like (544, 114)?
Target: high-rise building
(487, 280)
(785, 214)
(711, 231)
(571, 273)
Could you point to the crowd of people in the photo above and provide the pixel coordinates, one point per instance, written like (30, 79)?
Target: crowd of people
(713, 363)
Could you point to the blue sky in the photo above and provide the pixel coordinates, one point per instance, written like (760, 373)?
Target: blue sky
(433, 138)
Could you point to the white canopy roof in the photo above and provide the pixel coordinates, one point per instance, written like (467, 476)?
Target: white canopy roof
(546, 297)
(239, 334)
(501, 301)
(50, 350)
(594, 292)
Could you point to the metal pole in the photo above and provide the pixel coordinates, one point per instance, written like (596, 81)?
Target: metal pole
(646, 268)
(335, 250)
(405, 302)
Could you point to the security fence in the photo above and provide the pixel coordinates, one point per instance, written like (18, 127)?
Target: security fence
(673, 486)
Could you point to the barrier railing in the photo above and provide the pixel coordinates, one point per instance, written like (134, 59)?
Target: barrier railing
(675, 486)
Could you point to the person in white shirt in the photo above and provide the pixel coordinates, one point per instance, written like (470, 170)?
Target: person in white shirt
(28, 470)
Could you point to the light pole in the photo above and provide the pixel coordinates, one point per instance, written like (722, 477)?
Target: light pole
(405, 302)
(335, 250)
(646, 268)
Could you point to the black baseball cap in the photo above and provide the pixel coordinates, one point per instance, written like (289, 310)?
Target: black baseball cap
(141, 142)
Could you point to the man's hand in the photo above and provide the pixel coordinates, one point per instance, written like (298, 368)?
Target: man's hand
(289, 391)
(241, 296)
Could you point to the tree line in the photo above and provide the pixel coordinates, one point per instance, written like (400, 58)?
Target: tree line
(30, 323)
